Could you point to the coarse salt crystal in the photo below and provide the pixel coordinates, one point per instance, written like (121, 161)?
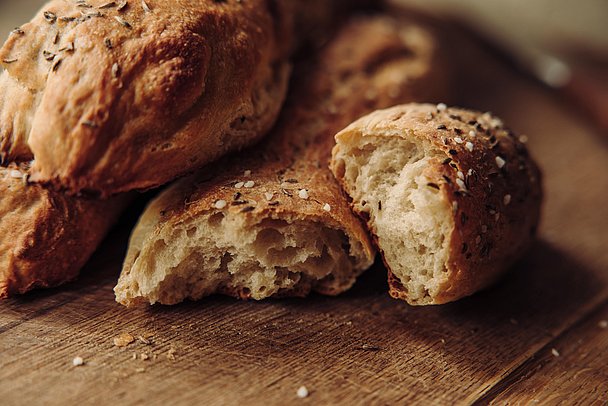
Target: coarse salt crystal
(247, 173)
(500, 162)
(458, 140)
(442, 106)
(303, 193)
(460, 175)
(469, 145)
(239, 185)
(220, 204)
(461, 184)
(473, 133)
(554, 352)
(77, 361)
(16, 174)
(249, 184)
(302, 392)
(269, 196)
(327, 207)
(496, 122)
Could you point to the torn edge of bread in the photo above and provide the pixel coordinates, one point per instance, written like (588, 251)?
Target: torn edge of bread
(273, 221)
(451, 196)
(230, 249)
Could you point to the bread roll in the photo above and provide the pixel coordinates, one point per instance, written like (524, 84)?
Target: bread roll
(451, 196)
(273, 221)
(130, 95)
(46, 236)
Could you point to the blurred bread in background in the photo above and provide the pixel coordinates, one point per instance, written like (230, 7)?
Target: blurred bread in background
(555, 25)
(562, 43)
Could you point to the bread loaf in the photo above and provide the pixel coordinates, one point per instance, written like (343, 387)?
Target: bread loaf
(272, 221)
(130, 95)
(46, 236)
(451, 196)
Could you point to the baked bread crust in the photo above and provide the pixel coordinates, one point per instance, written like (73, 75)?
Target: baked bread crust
(484, 174)
(371, 63)
(125, 98)
(17, 105)
(47, 237)
(131, 99)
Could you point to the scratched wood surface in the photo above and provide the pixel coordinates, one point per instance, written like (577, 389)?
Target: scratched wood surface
(362, 347)
(570, 370)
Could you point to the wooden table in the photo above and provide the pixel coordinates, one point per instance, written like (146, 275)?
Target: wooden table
(539, 336)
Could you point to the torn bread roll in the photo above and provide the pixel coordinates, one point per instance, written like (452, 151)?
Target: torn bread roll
(451, 196)
(117, 96)
(47, 237)
(273, 221)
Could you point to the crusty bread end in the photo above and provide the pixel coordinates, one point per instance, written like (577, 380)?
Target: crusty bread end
(451, 196)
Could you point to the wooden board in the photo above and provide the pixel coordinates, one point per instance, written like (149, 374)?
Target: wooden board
(362, 347)
(571, 370)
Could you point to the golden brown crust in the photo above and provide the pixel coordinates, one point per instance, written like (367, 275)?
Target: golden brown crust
(372, 63)
(131, 98)
(46, 236)
(137, 98)
(16, 104)
(486, 174)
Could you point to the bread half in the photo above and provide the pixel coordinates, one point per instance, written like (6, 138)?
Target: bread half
(123, 95)
(451, 196)
(46, 236)
(273, 221)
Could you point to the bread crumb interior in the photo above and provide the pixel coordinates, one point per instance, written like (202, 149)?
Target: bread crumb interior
(221, 252)
(412, 221)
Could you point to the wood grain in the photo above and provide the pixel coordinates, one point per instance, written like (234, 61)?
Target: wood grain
(362, 347)
(228, 352)
(571, 370)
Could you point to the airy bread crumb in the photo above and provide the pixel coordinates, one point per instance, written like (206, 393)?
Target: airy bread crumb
(412, 221)
(223, 252)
